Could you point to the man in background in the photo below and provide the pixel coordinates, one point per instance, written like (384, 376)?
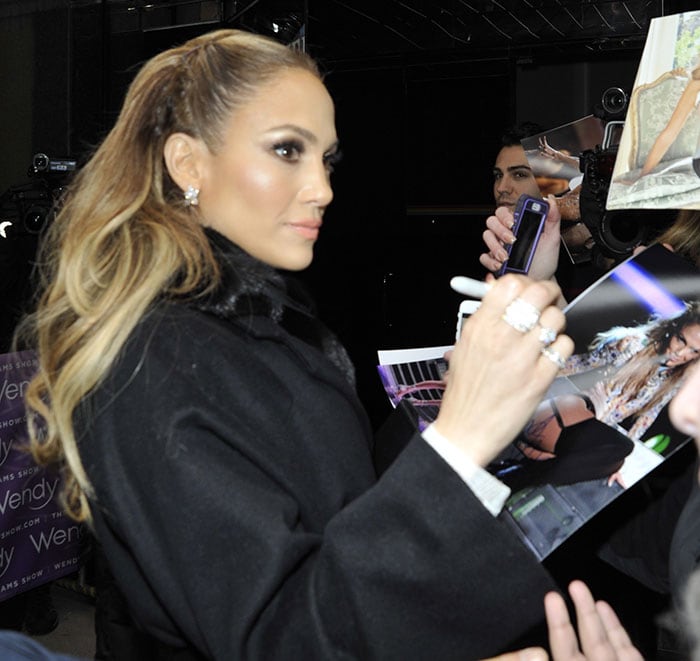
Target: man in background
(512, 174)
(512, 177)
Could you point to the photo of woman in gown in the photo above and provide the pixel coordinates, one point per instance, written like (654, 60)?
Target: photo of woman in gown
(686, 106)
(687, 103)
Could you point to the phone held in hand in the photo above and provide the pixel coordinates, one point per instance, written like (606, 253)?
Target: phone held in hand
(529, 216)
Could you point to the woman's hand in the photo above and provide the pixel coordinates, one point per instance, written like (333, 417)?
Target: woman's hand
(547, 151)
(498, 374)
(498, 234)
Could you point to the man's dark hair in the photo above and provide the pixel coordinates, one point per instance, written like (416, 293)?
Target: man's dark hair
(513, 135)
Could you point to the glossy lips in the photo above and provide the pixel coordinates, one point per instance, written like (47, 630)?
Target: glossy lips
(309, 229)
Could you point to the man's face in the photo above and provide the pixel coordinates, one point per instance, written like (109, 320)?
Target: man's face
(512, 176)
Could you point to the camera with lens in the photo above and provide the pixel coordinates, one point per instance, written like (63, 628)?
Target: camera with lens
(613, 104)
(27, 208)
(41, 163)
(616, 233)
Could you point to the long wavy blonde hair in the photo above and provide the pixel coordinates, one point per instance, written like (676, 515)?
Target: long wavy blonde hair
(124, 236)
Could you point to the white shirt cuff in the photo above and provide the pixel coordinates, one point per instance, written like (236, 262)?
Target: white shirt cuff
(488, 489)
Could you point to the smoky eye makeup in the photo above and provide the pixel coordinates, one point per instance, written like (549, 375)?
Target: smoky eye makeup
(289, 150)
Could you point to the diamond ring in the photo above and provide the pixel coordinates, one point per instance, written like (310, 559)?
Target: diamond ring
(554, 356)
(547, 335)
(521, 315)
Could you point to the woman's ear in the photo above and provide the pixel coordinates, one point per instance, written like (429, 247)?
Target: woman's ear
(184, 159)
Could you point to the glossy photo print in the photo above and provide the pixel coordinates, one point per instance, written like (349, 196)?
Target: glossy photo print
(658, 160)
(554, 157)
(603, 424)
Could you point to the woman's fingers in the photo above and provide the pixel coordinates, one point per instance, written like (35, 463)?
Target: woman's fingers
(527, 654)
(510, 350)
(496, 236)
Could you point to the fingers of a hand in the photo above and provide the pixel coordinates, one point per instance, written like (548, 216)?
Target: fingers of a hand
(553, 318)
(505, 216)
(542, 296)
(495, 245)
(538, 293)
(552, 357)
(500, 225)
(554, 215)
(593, 630)
(489, 263)
(527, 654)
(563, 643)
(618, 636)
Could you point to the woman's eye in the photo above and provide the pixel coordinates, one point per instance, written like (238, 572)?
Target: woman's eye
(331, 160)
(289, 151)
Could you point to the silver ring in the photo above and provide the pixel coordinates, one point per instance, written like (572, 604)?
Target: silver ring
(521, 315)
(547, 335)
(554, 356)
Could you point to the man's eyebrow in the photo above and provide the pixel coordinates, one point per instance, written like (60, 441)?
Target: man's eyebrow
(519, 167)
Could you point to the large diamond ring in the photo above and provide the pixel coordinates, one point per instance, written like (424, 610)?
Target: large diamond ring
(554, 356)
(521, 315)
(547, 335)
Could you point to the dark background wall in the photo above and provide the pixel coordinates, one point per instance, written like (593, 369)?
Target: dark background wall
(419, 134)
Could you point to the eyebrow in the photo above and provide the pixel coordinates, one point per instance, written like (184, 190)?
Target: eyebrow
(304, 133)
(512, 168)
(681, 336)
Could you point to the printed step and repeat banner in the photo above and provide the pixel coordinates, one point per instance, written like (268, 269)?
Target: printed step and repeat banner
(38, 543)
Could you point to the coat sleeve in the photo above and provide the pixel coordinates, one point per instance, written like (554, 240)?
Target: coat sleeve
(240, 512)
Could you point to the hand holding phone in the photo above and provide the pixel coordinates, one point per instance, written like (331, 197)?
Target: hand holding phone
(529, 216)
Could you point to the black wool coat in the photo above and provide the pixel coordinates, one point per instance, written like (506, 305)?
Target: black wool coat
(239, 509)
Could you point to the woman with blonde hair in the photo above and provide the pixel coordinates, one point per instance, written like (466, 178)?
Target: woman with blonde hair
(206, 421)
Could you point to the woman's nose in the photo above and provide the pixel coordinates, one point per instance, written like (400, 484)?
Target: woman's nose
(317, 188)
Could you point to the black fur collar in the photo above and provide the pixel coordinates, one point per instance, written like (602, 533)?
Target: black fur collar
(250, 287)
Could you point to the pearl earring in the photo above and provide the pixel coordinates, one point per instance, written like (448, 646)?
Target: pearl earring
(192, 196)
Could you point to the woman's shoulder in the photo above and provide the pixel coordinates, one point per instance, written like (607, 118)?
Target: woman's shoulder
(170, 323)
(173, 340)
(179, 340)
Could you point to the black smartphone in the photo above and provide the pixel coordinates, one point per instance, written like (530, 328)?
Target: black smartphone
(529, 216)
